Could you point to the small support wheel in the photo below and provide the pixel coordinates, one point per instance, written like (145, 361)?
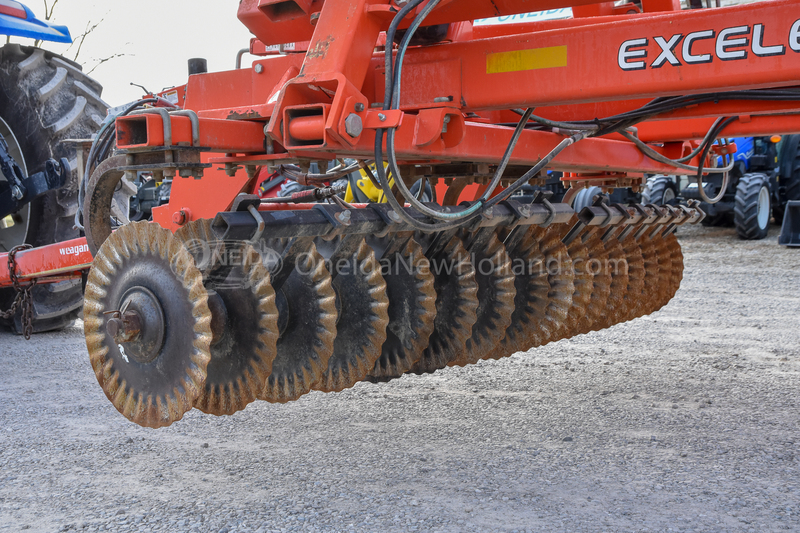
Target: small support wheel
(147, 324)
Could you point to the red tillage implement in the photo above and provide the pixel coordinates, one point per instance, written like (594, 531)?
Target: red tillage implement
(226, 297)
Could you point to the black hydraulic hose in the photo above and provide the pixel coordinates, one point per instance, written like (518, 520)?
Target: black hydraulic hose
(388, 63)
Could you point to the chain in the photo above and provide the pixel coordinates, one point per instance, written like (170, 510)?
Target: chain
(23, 298)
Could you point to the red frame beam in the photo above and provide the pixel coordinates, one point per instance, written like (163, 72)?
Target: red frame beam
(62, 260)
(616, 60)
(215, 135)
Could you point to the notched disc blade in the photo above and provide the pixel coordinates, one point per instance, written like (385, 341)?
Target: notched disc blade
(560, 276)
(159, 377)
(412, 310)
(634, 296)
(617, 265)
(307, 322)
(583, 283)
(363, 317)
(496, 293)
(601, 281)
(676, 255)
(656, 276)
(670, 261)
(244, 320)
(531, 299)
(456, 305)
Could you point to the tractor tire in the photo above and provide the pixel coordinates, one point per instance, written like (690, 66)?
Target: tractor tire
(716, 220)
(46, 100)
(751, 213)
(659, 190)
(791, 185)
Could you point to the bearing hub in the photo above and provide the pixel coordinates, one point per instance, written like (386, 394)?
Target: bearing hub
(139, 330)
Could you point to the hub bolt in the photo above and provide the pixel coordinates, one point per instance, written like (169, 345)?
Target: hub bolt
(124, 328)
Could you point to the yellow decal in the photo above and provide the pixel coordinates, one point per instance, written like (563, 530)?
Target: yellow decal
(532, 59)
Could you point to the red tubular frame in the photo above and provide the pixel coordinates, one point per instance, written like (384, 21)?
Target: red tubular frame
(49, 264)
(322, 103)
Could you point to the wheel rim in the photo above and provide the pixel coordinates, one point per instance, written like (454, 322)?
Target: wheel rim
(763, 208)
(16, 232)
(669, 195)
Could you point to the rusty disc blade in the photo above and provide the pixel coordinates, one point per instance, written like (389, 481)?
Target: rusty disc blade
(670, 260)
(363, 317)
(307, 323)
(601, 281)
(244, 319)
(155, 375)
(583, 282)
(531, 292)
(634, 297)
(662, 293)
(496, 293)
(456, 306)
(676, 255)
(617, 266)
(544, 284)
(561, 277)
(656, 276)
(412, 311)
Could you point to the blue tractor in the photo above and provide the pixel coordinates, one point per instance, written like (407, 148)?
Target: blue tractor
(765, 177)
(45, 101)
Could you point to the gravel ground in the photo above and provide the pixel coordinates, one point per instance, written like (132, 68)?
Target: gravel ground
(685, 420)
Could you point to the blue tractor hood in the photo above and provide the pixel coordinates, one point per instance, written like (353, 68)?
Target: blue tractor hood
(16, 19)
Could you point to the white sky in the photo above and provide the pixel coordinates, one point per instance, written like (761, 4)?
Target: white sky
(157, 38)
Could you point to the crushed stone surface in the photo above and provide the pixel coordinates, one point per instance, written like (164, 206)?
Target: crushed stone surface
(684, 420)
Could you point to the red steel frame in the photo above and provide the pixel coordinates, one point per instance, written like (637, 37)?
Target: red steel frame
(604, 61)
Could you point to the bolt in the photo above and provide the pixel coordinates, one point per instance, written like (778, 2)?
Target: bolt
(17, 193)
(179, 217)
(381, 117)
(525, 211)
(353, 125)
(231, 169)
(359, 107)
(114, 326)
(126, 328)
(259, 68)
(343, 217)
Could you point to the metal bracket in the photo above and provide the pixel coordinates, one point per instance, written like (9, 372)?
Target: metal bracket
(543, 198)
